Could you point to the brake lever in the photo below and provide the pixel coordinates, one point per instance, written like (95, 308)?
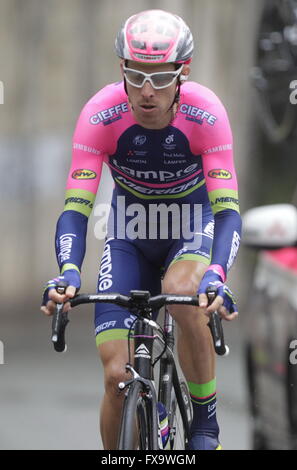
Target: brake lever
(60, 321)
(215, 326)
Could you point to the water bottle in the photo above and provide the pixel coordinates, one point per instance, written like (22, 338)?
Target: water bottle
(163, 421)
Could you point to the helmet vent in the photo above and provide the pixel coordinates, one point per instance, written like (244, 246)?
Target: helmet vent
(160, 46)
(138, 44)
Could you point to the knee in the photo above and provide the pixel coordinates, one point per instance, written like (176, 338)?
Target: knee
(114, 373)
(185, 316)
(180, 286)
(114, 357)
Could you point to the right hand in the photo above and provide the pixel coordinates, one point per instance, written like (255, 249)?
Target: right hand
(51, 297)
(224, 302)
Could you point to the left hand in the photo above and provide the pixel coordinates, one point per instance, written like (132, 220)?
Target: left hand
(224, 302)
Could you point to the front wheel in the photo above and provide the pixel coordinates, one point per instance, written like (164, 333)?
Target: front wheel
(139, 430)
(180, 417)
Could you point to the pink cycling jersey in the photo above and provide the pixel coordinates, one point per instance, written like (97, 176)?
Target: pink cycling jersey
(189, 161)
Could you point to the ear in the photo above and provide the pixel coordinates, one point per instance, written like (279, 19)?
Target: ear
(122, 63)
(185, 73)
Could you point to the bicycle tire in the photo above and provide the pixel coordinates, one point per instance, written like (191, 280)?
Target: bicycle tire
(139, 414)
(180, 417)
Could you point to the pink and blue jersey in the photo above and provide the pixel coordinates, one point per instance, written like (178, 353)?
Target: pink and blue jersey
(189, 162)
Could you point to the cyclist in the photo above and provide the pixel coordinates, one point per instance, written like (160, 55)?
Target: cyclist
(167, 141)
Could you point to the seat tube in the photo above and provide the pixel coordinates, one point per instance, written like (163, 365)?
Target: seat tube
(166, 363)
(143, 349)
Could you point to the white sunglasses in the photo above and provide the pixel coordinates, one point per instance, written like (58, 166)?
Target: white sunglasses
(158, 80)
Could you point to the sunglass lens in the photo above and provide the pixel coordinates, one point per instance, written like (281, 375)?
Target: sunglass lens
(134, 77)
(162, 79)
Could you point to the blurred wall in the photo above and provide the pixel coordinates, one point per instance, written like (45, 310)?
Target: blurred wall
(54, 55)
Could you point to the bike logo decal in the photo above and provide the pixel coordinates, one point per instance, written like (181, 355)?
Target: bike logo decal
(142, 351)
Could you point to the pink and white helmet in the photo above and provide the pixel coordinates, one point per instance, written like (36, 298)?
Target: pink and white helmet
(155, 36)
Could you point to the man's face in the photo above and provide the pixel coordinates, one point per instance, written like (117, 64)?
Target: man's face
(151, 107)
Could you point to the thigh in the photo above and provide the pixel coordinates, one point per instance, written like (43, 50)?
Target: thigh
(123, 268)
(197, 249)
(183, 277)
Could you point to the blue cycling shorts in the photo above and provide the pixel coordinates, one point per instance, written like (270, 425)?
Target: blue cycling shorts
(138, 265)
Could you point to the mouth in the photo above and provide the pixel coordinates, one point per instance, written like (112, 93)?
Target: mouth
(147, 108)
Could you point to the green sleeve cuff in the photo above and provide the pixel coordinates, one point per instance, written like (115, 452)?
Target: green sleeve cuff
(68, 266)
(79, 200)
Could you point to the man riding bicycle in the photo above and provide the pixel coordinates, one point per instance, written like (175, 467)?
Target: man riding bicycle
(167, 142)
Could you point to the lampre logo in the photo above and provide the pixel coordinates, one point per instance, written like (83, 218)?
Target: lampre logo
(220, 174)
(65, 246)
(105, 278)
(234, 249)
(82, 174)
(161, 175)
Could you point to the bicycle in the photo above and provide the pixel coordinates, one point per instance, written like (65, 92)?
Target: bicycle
(141, 400)
(275, 69)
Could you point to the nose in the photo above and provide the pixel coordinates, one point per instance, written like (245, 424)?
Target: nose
(147, 91)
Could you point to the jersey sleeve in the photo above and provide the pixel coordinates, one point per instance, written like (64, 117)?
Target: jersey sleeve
(88, 151)
(222, 188)
(86, 166)
(218, 163)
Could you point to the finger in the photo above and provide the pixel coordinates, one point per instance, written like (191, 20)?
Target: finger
(215, 305)
(49, 308)
(61, 298)
(55, 297)
(203, 300)
(231, 316)
(226, 315)
(70, 292)
(66, 307)
(45, 310)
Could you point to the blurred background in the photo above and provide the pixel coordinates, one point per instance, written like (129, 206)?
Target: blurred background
(54, 55)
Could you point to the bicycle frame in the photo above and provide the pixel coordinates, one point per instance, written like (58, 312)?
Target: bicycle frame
(143, 370)
(168, 375)
(141, 383)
